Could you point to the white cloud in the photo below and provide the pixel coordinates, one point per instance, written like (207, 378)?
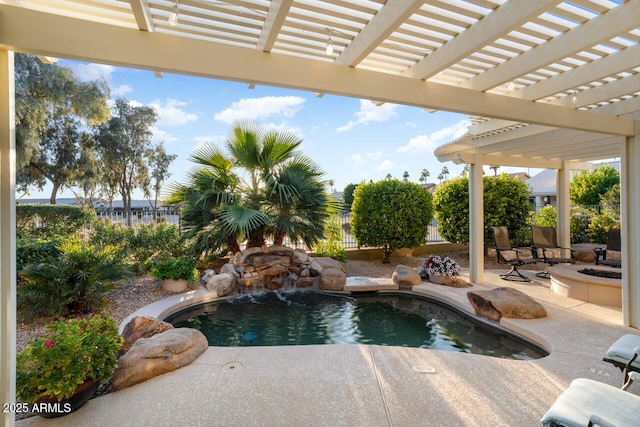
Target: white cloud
(171, 113)
(376, 155)
(369, 112)
(120, 90)
(386, 165)
(261, 108)
(207, 139)
(357, 159)
(428, 143)
(162, 136)
(88, 72)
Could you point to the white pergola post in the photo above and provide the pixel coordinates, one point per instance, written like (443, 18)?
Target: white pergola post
(476, 223)
(630, 229)
(7, 236)
(562, 206)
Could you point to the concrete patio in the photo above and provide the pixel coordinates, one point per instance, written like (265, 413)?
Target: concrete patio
(359, 385)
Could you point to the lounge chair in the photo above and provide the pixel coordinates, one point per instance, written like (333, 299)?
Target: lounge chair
(546, 249)
(611, 254)
(587, 403)
(623, 354)
(510, 256)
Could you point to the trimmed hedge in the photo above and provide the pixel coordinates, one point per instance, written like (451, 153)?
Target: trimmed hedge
(48, 221)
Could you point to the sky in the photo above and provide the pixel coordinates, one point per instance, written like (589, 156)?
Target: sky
(351, 139)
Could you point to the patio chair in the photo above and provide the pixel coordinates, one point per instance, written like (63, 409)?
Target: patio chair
(623, 354)
(510, 256)
(611, 254)
(546, 249)
(588, 402)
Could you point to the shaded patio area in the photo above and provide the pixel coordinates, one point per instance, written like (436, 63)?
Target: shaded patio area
(354, 385)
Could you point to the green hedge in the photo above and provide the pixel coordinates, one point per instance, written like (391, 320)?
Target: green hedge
(49, 221)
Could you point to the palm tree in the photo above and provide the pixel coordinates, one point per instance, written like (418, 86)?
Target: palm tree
(405, 176)
(495, 169)
(262, 188)
(445, 172)
(423, 176)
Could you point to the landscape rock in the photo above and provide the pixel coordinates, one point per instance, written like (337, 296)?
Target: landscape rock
(585, 255)
(229, 268)
(315, 268)
(141, 327)
(223, 283)
(405, 276)
(505, 302)
(332, 279)
(162, 353)
(299, 257)
(326, 262)
(206, 276)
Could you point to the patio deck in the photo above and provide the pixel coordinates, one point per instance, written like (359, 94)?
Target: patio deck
(359, 385)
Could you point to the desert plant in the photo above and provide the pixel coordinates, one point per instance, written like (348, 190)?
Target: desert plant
(183, 268)
(75, 282)
(390, 215)
(71, 352)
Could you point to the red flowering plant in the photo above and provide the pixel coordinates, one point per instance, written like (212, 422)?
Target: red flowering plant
(439, 266)
(71, 352)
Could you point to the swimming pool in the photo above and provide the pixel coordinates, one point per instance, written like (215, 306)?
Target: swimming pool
(309, 317)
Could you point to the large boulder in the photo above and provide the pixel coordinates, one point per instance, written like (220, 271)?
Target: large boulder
(505, 302)
(222, 284)
(405, 276)
(585, 255)
(141, 327)
(162, 353)
(326, 262)
(332, 279)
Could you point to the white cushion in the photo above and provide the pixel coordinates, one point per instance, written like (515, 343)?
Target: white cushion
(624, 348)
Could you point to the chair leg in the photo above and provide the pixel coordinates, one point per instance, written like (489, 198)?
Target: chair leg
(511, 275)
(544, 274)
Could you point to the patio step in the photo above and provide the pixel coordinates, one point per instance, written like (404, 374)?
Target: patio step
(363, 284)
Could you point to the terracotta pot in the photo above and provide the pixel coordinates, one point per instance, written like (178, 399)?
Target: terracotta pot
(442, 280)
(51, 407)
(175, 286)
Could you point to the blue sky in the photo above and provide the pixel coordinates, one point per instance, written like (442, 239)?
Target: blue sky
(353, 140)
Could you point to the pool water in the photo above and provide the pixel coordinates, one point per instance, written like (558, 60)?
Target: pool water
(303, 318)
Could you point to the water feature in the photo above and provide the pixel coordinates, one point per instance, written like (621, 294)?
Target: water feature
(307, 317)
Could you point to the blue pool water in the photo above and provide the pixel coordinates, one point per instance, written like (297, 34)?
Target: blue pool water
(306, 317)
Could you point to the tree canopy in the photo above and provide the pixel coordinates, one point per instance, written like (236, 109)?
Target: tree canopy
(54, 111)
(587, 187)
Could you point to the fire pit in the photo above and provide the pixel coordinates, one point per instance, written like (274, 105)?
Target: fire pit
(597, 287)
(601, 273)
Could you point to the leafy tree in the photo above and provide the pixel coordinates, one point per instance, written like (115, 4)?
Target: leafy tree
(53, 109)
(123, 144)
(391, 214)
(423, 176)
(506, 203)
(159, 162)
(89, 173)
(347, 195)
(262, 188)
(586, 188)
(610, 202)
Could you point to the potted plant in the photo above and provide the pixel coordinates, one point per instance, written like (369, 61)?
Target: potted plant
(61, 370)
(175, 273)
(440, 269)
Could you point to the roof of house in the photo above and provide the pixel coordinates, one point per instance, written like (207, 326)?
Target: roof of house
(544, 183)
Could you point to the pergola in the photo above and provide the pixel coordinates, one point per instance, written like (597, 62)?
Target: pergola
(548, 83)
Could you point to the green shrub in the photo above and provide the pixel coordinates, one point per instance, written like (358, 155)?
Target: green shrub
(75, 282)
(578, 222)
(141, 243)
(390, 215)
(545, 217)
(34, 250)
(50, 221)
(175, 269)
(587, 187)
(599, 227)
(332, 247)
(506, 203)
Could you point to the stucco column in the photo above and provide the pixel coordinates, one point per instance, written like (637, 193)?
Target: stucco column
(476, 223)
(7, 236)
(630, 228)
(563, 214)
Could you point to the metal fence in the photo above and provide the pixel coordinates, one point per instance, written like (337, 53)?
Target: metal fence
(171, 215)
